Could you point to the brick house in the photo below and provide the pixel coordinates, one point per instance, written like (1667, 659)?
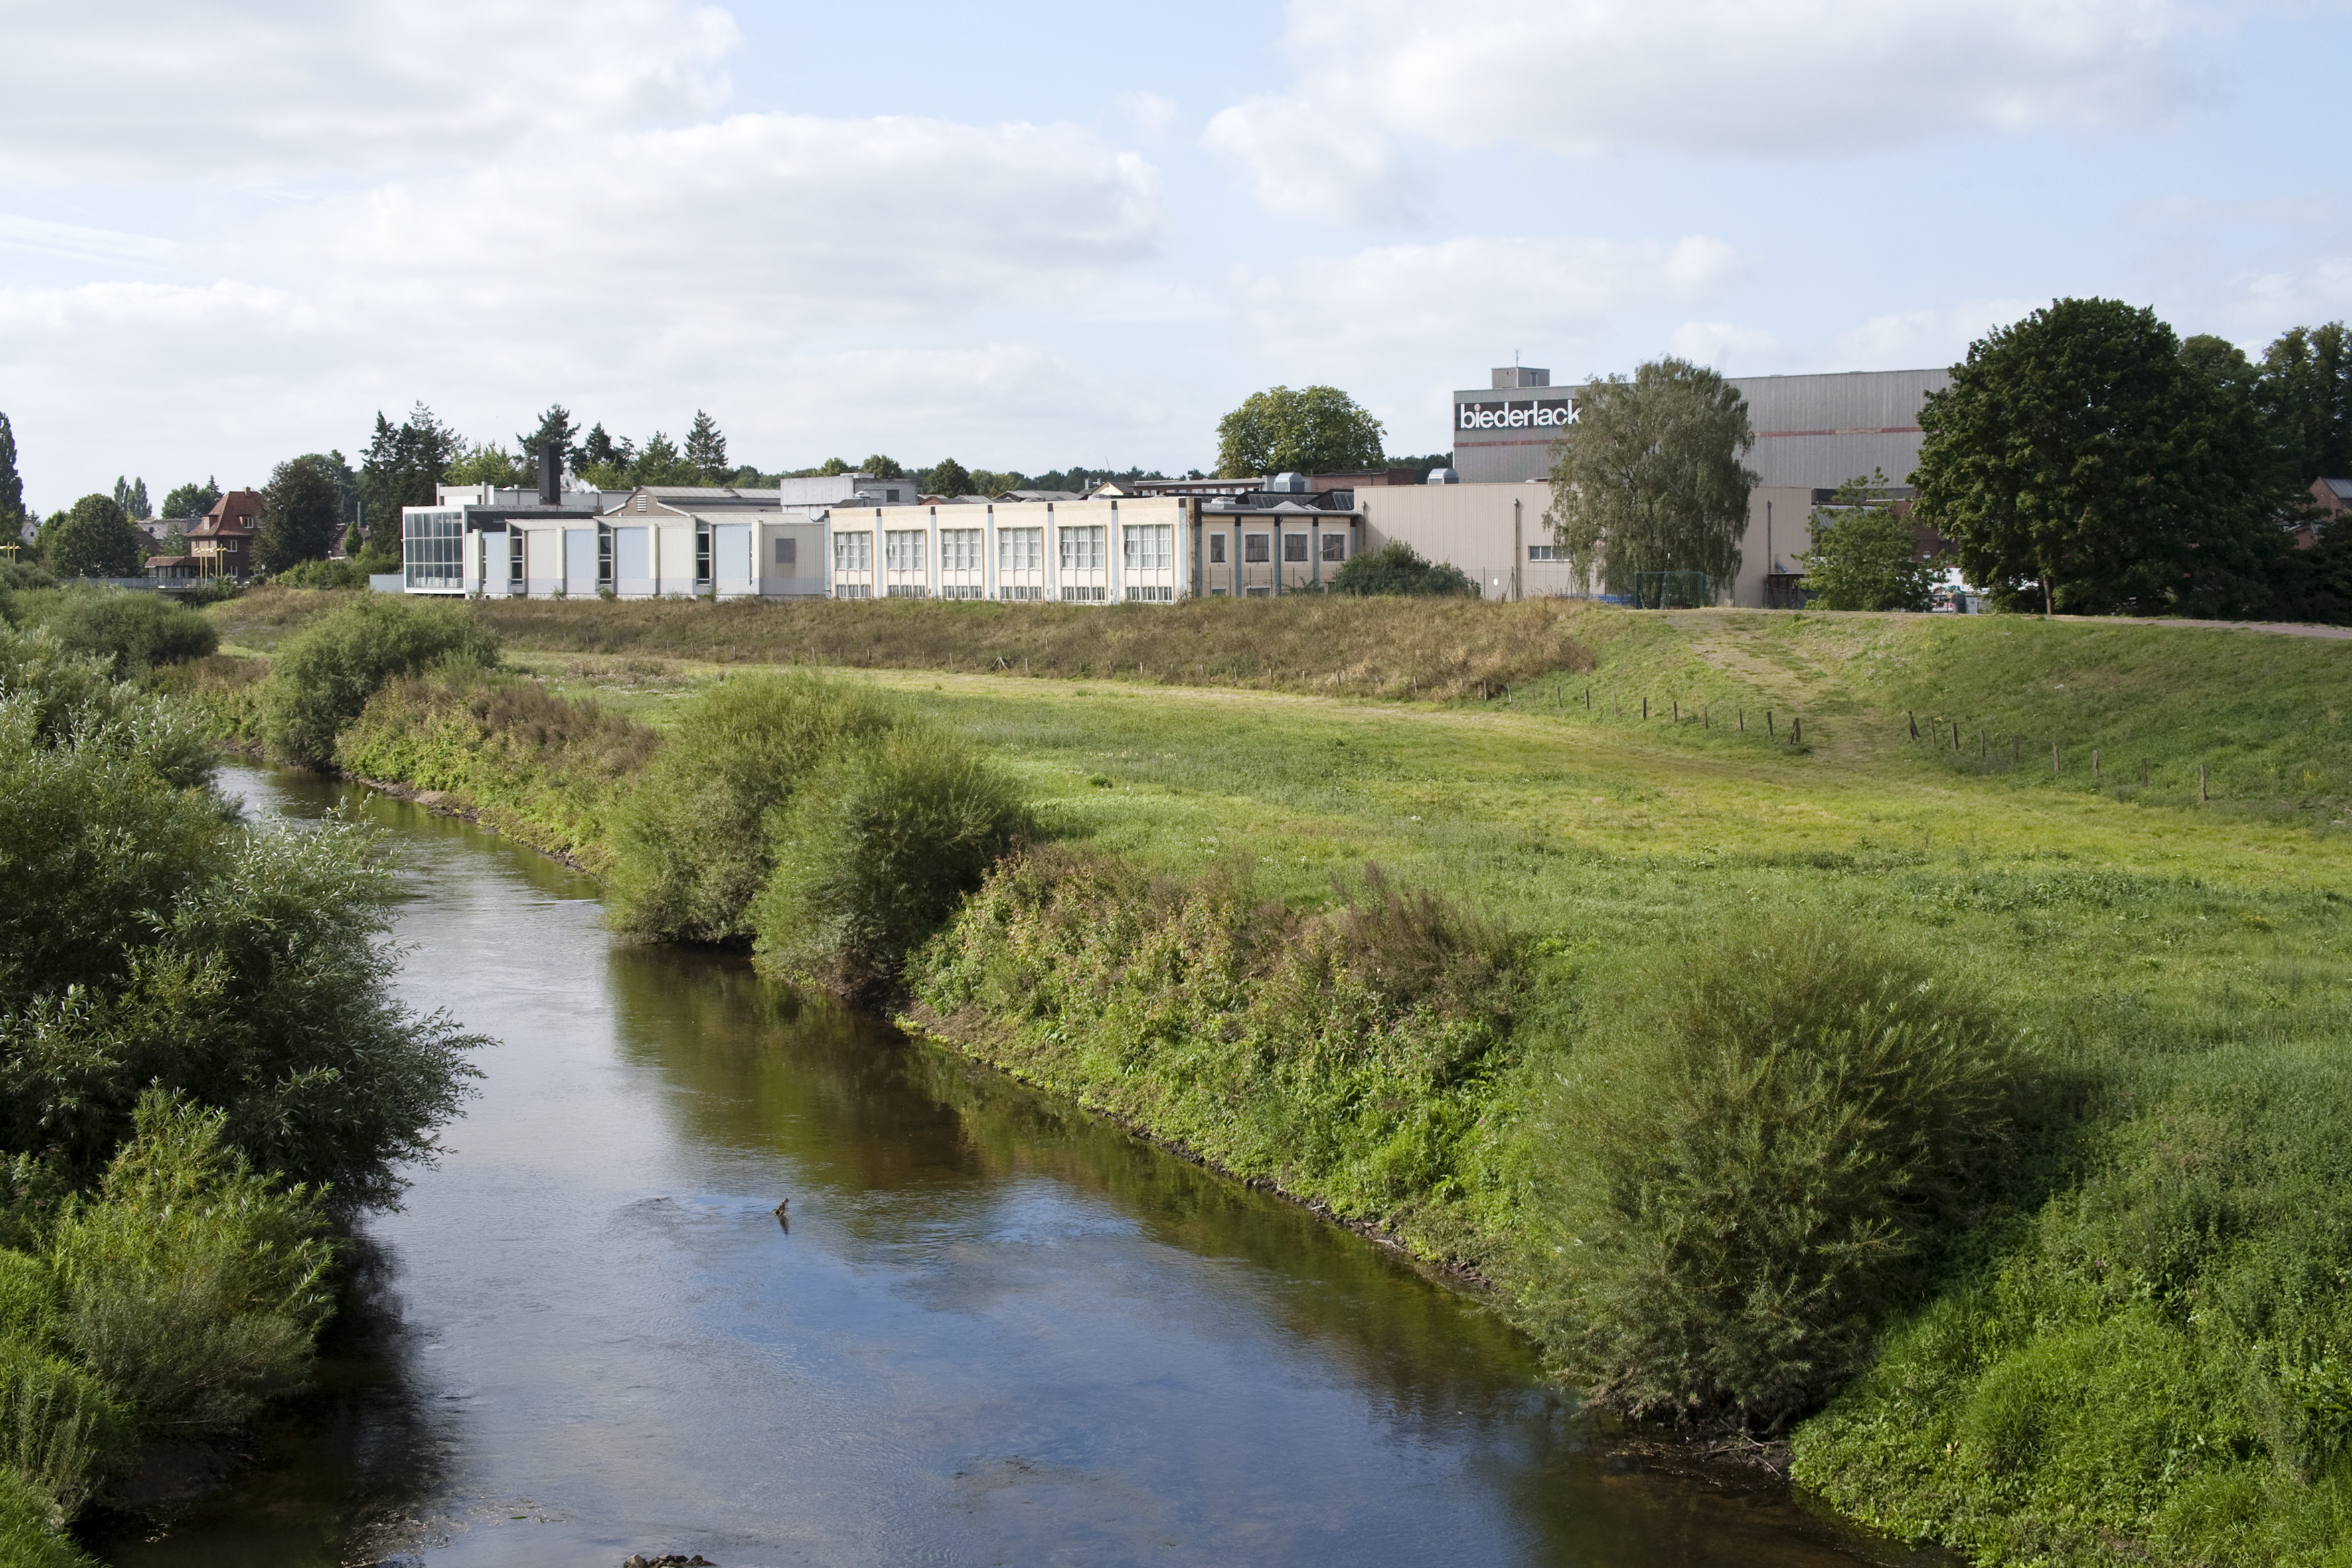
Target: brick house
(221, 543)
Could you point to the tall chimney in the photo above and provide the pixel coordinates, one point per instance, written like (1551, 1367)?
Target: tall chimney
(551, 473)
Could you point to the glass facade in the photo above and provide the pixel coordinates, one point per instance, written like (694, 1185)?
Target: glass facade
(433, 550)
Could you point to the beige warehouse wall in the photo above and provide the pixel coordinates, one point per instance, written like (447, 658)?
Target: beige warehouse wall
(1486, 529)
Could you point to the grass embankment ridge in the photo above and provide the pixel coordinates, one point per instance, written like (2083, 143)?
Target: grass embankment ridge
(2145, 1362)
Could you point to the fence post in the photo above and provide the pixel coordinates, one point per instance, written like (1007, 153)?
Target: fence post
(1913, 718)
(2201, 783)
(2094, 764)
(1797, 731)
(1645, 708)
(1768, 721)
(2053, 759)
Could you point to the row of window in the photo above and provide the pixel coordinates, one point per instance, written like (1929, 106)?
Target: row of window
(1257, 548)
(1148, 547)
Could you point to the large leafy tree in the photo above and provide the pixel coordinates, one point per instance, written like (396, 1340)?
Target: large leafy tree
(2306, 391)
(402, 465)
(706, 449)
(1311, 430)
(301, 515)
(2082, 461)
(948, 478)
(191, 500)
(92, 539)
(1864, 556)
(1649, 477)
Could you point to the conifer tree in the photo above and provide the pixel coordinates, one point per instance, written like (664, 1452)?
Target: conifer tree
(706, 449)
(12, 484)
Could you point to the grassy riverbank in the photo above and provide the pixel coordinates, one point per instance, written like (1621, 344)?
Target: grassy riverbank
(2132, 1345)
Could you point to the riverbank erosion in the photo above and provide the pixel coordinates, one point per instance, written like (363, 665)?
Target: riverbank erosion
(1966, 1125)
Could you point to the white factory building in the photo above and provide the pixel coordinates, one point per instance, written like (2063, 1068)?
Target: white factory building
(859, 536)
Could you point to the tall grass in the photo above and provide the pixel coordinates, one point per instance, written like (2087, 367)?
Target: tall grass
(549, 770)
(1372, 648)
(1346, 1055)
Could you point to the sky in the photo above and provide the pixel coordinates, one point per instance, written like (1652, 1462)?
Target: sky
(1035, 235)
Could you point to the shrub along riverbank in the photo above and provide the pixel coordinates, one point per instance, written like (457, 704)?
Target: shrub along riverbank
(203, 1076)
(1977, 1131)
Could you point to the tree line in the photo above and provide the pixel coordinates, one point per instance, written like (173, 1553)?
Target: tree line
(2086, 460)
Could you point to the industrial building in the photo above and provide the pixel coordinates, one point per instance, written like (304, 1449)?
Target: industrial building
(857, 536)
(1813, 433)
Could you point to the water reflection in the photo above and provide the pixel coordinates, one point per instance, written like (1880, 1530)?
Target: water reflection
(996, 1330)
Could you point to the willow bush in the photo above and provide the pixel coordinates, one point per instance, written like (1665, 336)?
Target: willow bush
(323, 676)
(691, 842)
(1742, 1178)
(134, 630)
(876, 852)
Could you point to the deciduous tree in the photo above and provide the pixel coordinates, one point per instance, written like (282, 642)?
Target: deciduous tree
(299, 515)
(91, 540)
(2305, 392)
(1311, 430)
(948, 478)
(2080, 461)
(191, 500)
(1648, 478)
(1865, 557)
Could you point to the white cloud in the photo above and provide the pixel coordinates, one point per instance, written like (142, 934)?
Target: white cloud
(1149, 113)
(1393, 299)
(1923, 339)
(1723, 346)
(1773, 75)
(1310, 156)
(144, 89)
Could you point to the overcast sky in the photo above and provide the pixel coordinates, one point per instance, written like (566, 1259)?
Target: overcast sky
(1030, 235)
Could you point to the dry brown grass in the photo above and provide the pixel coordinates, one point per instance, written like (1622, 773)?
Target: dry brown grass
(1368, 647)
(1440, 648)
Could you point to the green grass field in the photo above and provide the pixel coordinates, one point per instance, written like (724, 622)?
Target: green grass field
(2153, 1360)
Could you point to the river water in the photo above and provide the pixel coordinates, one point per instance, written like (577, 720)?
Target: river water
(996, 1330)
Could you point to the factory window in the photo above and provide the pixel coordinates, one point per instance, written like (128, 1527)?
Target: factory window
(1082, 550)
(853, 591)
(1540, 552)
(603, 556)
(1335, 547)
(1095, 595)
(853, 552)
(1257, 548)
(907, 591)
(788, 553)
(702, 555)
(902, 550)
(1149, 547)
(963, 591)
(1216, 550)
(514, 557)
(1145, 593)
(1020, 549)
(1294, 547)
(959, 550)
(1021, 591)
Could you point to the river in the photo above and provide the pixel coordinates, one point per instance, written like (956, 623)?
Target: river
(993, 1330)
